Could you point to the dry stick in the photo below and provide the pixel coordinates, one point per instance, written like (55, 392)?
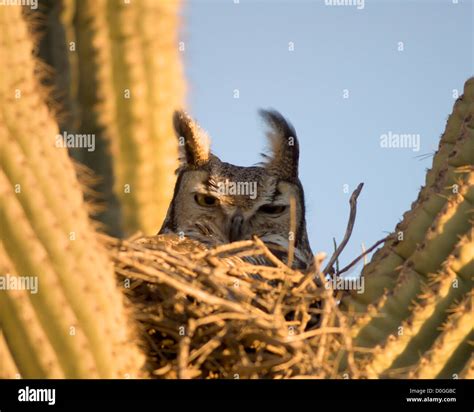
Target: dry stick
(184, 348)
(328, 306)
(163, 370)
(200, 355)
(345, 269)
(268, 254)
(135, 236)
(268, 364)
(314, 332)
(228, 247)
(348, 344)
(312, 275)
(350, 226)
(287, 364)
(335, 248)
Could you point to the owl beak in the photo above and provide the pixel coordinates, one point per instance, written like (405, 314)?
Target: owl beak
(236, 225)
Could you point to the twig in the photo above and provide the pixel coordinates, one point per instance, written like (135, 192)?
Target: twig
(327, 317)
(228, 247)
(313, 275)
(268, 254)
(314, 332)
(346, 268)
(183, 352)
(350, 226)
(335, 248)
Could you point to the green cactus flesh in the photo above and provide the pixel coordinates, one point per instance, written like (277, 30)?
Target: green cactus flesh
(75, 325)
(129, 52)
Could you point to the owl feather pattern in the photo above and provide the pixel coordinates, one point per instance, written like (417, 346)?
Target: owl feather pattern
(215, 202)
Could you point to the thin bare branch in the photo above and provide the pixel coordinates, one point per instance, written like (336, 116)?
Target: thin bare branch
(350, 226)
(366, 252)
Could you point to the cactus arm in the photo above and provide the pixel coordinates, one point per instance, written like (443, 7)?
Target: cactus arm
(29, 257)
(129, 52)
(8, 369)
(78, 308)
(420, 327)
(468, 371)
(457, 328)
(25, 333)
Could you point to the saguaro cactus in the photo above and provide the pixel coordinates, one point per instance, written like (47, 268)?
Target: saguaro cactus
(75, 325)
(117, 75)
(130, 82)
(425, 272)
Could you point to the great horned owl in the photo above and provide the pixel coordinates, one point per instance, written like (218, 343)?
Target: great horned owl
(216, 202)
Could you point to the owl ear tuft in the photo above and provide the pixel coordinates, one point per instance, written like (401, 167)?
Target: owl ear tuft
(284, 149)
(193, 141)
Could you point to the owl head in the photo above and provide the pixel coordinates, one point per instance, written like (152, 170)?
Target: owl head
(216, 202)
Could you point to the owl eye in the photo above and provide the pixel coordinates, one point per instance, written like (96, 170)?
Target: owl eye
(205, 200)
(272, 209)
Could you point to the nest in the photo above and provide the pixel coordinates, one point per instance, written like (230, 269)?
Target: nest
(210, 313)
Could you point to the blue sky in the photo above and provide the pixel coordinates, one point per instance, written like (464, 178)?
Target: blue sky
(354, 74)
